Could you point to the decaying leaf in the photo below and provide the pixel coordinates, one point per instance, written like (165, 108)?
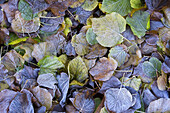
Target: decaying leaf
(43, 49)
(139, 23)
(104, 69)
(12, 60)
(160, 105)
(120, 6)
(77, 69)
(6, 97)
(156, 4)
(25, 26)
(118, 100)
(63, 84)
(96, 51)
(80, 44)
(84, 104)
(47, 80)
(134, 82)
(43, 96)
(108, 29)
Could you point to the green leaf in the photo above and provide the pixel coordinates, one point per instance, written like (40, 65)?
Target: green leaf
(136, 4)
(25, 9)
(108, 29)
(49, 64)
(120, 6)
(119, 54)
(149, 69)
(139, 23)
(103, 110)
(90, 5)
(156, 63)
(134, 82)
(17, 41)
(91, 37)
(68, 24)
(77, 69)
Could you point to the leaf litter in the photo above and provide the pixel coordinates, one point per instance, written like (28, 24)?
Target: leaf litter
(88, 56)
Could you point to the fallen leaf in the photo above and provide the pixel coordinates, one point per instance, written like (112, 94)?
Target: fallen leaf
(103, 110)
(119, 54)
(77, 69)
(155, 25)
(43, 49)
(132, 82)
(25, 26)
(91, 37)
(104, 69)
(63, 84)
(89, 63)
(21, 103)
(68, 24)
(90, 5)
(136, 4)
(155, 4)
(108, 29)
(120, 6)
(84, 104)
(162, 81)
(96, 51)
(12, 60)
(139, 23)
(118, 100)
(6, 96)
(80, 44)
(47, 80)
(160, 105)
(43, 96)
(50, 64)
(166, 19)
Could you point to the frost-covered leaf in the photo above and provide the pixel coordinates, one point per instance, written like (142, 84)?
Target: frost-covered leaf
(118, 100)
(51, 24)
(3, 85)
(149, 69)
(12, 60)
(91, 37)
(134, 82)
(120, 6)
(76, 3)
(63, 84)
(43, 49)
(89, 63)
(156, 4)
(104, 69)
(6, 97)
(21, 104)
(151, 39)
(80, 44)
(139, 23)
(156, 63)
(162, 81)
(25, 9)
(77, 69)
(119, 54)
(155, 25)
(136, 4)
(166, 19)
(43, 96)
(84, 104)
(96, 51)
(70, 50)
(25, 26)
(108, 29)
(113, 82)
(160, 105)
(90, 5)
(47, 80)
(50, 64)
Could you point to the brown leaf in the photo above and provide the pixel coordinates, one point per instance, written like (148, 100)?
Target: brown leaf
(43, 96)
(23, 26)
(104, 69)
(12, 60)
(9, 8)
(161, 82)
(96, 51)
